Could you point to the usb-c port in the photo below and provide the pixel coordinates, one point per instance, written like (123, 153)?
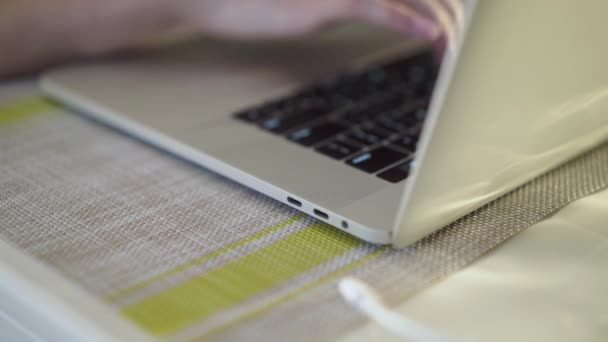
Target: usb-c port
(321, 214)
(294, 201)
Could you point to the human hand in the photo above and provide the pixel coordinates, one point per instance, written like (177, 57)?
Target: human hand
(278, 18)
(59, 30)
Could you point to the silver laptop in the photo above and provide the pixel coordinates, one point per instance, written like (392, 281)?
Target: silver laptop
(388, 147)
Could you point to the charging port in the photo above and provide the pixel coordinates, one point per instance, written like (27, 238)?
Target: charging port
(294, 201)
(321, 214)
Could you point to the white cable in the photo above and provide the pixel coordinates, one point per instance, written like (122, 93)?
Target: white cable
(364, 299)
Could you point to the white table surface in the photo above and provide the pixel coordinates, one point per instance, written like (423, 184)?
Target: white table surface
(549, 283)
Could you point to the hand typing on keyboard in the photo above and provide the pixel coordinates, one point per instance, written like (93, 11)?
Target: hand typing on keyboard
(263, 18)
(38, 33)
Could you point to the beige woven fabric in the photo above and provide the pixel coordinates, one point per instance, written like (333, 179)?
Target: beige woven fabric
(186, 254)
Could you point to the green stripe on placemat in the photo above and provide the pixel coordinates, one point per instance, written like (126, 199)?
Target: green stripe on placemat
(25, 107)
(300, 291)
(204, 258)
(202, 296)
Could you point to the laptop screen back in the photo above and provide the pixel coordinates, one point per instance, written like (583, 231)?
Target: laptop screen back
(528, 91)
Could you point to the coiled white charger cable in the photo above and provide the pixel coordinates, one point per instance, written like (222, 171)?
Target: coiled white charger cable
(364, 298)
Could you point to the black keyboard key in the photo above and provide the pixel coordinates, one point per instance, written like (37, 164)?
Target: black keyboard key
(415, 69)
(338, 149)
(356, 115)
(379, 77)
(407, 142)
(356, 91)
(416, 132)
(397, 173)
(376, 105)
(251, 115)
(409, 117)
(385, 106)
(309, 136)
(376, 160)
(424, 91)
(419, 73)
(367, 136)
(283, 121)
(351, 86)
(388, 123)
(406, 123)
(373, 129)
(259, 113)
(419, 114)
(310, 103)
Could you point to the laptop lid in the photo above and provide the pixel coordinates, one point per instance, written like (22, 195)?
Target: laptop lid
(526, 90)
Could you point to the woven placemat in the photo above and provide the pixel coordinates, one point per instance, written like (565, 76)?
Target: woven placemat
(186, 254)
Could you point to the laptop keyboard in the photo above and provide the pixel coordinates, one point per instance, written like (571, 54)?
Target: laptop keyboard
(368, 119)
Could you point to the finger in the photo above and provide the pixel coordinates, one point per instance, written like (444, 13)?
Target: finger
(446, 13)
(439, 49)
(445, 20)
(452, 7)
(398, 16)
(456, 9)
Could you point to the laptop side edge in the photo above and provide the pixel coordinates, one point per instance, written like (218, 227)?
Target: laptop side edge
(444, 79)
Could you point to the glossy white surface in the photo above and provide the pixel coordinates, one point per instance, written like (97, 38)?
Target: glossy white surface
(547, 284)
(11, 330)
(40, 302)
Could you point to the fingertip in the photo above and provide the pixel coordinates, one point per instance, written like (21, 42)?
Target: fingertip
(425, 29)
(439, 49)
(398, 16)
